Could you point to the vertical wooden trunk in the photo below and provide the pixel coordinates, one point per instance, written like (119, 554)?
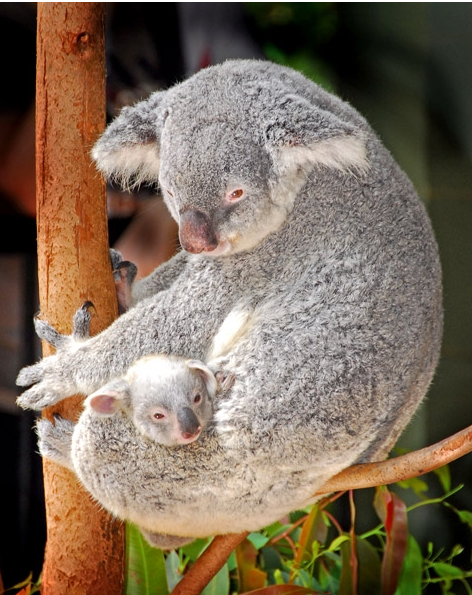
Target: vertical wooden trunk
(85, 546)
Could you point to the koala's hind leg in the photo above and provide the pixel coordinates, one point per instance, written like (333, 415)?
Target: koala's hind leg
(164, 541)
(55, 440)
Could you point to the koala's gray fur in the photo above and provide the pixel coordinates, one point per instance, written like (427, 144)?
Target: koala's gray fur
(288, 204)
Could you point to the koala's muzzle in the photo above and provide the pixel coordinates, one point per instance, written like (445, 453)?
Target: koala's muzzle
(188, 423)
(196, 232)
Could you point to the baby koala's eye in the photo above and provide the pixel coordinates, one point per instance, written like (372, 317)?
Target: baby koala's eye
(234, 195)
(197, 398)
(169, 193)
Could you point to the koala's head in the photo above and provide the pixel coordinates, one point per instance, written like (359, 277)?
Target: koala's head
(169, 399)
(230, 147)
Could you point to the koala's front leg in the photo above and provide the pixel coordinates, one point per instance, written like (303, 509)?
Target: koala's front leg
(55, 440)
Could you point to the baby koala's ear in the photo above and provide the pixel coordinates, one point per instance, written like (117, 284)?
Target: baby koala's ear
(108, 399)
(128, 150)
(206, 374)
(300, 134)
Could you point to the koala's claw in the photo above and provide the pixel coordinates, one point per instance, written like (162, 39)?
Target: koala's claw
(48, 333)
(81, 323)
(55, 439)
(37, 399)
(124, 274)
(30, 375)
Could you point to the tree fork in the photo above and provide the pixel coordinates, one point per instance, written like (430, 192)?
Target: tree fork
(85, 546)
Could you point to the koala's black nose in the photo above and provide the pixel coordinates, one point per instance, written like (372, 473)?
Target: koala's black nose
(196, 232)
(188, 423)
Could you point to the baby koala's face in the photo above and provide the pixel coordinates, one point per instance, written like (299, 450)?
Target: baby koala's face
(171, 399)
(168, 398)
(174, 414)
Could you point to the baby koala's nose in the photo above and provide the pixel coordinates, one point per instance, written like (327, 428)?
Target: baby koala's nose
(189, 424)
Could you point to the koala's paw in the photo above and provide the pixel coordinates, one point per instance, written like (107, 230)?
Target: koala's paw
(163, 541)
(224, 379)
(55, 440)
(51, 384)
(44, 393)
(124, 275)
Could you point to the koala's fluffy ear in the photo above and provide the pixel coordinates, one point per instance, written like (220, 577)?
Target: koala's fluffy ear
(206, 374)
(128, 150)
(299, 134)
(108, 399)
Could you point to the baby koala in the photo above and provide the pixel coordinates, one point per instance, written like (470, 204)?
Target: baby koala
(169, 398)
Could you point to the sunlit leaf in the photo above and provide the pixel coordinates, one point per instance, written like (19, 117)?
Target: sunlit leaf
(145, 566)
(392, 512)
(313, 530)
(336, 543)
(258, 540)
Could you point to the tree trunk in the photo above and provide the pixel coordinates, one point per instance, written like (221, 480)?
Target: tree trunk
(85, 546)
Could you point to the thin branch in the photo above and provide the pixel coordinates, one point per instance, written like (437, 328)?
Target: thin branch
(364, 475)
(413, 464)
(208, 564)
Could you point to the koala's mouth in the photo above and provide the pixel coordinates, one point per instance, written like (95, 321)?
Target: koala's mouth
(223, 248)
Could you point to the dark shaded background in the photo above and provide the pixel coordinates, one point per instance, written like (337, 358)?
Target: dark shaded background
(405, 66)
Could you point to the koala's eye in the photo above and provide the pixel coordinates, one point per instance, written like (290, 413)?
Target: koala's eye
(169, 193)
(158, 415)
(235, 195)
(197, 398)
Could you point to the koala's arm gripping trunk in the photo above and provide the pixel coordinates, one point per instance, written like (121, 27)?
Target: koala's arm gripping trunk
(83, 541)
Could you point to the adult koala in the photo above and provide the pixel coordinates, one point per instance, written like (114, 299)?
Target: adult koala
(291, 212)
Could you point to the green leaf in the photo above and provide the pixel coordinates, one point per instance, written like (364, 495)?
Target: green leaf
(313, 530)
(410, 582)
(444, 476)
(446, 570)
(219, 584)
(465, 516)
(145, 566)
(172, 569)
(336, 543)
(258, 540)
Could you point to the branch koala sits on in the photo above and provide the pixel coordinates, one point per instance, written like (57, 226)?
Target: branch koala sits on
(289, 205)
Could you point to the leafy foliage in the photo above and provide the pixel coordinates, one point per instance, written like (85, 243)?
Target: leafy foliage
(310, 552)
